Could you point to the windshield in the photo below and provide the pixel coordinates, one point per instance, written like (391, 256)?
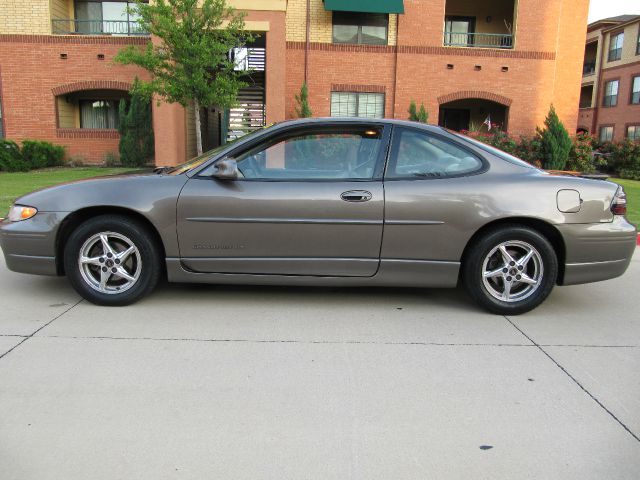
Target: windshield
(197, 161)
(495, 151)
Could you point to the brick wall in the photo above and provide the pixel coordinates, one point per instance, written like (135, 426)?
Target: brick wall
(624, 113)
(33, 74)
(542, 69)
(25, 16)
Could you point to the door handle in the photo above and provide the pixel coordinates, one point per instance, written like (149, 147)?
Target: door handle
(356, 196)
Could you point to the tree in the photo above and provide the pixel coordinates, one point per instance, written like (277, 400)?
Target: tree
(416, 115)
(556, 143)
(136, 131)
(303, 110)
(190, 63)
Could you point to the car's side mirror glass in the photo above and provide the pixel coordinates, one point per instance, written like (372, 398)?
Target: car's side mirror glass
(226, 169)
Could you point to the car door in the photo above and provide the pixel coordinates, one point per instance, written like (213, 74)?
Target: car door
(309, 201)
(436, 198)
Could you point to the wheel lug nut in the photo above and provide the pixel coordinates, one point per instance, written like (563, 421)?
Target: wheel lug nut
(109, 255)
(518, 277)
(509, 279)
(520, 268)
(117, 261)
(114, 270)
(512, 263)
(104, 269)
(504, 270)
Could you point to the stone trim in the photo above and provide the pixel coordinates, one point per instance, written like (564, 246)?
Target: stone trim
(424, 50)
(467, 94)
(86, 133)
(73, 39)
(347, 87)
(91, 85)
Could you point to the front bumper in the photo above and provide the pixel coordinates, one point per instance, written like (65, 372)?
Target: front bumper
(596, 252)
(30, 246)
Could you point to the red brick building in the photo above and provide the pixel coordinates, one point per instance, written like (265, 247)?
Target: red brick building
(465, 60)
(610, 93)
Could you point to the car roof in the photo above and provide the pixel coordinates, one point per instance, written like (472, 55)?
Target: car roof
(361, 120)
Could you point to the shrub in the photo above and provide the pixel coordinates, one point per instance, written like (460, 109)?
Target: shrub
(581, 158)
(303, 110)
(416, 115)
(136, 132)
(556, 143)
(11, 158)
(625, 157)
(38, 154)
(111, 160)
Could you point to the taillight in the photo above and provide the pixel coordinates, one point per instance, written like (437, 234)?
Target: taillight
(619, 203)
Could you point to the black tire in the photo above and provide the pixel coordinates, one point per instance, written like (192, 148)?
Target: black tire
(513, 238)
(143, 265)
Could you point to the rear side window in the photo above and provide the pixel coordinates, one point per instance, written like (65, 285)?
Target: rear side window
(417, 154)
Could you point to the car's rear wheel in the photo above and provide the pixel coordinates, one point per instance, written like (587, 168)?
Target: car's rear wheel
(510, 270)
(112, 260)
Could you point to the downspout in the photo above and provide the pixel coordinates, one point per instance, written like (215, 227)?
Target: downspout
(596, 104)
(306, 44)
(395, 67)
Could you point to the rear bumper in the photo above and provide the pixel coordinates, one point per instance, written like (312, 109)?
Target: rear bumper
(30, 246)
(596, 252)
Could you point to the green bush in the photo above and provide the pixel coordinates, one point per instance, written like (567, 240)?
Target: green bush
(556, 143)
(581, 158)
(416, 115)
(625, 157)
(38, 154)
(136, 132)
(11, 158)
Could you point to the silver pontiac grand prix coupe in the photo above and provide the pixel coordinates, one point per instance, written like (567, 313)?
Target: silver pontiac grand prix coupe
(348, 202)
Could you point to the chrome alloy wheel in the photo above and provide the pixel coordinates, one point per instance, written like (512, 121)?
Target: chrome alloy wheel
(109, 262)
(512, 271)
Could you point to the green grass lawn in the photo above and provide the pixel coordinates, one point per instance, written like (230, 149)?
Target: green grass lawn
(632, 189)
(13, 185)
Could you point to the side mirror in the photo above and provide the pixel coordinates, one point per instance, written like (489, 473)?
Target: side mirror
(226, 169)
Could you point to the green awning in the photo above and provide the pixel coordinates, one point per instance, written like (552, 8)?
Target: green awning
(368, 6)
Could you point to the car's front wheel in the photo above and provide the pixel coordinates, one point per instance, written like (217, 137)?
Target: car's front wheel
(112, 260)
(510, 270)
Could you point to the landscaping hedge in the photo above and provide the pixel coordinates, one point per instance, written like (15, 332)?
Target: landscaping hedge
(33, 154)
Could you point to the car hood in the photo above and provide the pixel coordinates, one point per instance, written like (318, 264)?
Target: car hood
(135, 191)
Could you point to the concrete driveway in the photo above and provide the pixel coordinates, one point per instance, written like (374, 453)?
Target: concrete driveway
(206, 382)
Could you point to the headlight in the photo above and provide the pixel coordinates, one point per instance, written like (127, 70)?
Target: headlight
(17, 213)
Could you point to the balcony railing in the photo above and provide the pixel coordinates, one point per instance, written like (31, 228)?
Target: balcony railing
(589, 68)
(96, 27)
(478, 40)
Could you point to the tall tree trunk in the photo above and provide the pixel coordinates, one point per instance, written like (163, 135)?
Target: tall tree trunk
(196, 107)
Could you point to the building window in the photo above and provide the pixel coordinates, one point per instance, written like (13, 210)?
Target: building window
(99, 114)
(360, 28)
(459, 31)
(635, 91)
(615, 46)
(606, 134)
(350, 104)
(611, 94)
(111, 18)
(633, 132)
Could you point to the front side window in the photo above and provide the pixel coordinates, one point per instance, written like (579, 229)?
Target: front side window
(352, 104)
(611, 94)
(615, 47)
(606, 134)
(420, 155)
(635, 90)
(99, 114)
(360, 28)
(633, 132)
(350, 154)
